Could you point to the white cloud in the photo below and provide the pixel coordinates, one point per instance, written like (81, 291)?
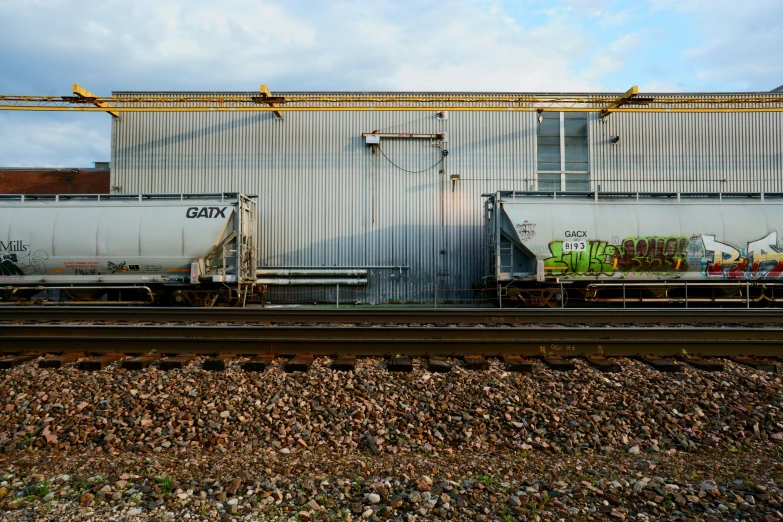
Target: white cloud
(739, 44)
(461, 45)
(53, 140)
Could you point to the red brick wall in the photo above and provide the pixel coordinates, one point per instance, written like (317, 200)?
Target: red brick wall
(54, 181)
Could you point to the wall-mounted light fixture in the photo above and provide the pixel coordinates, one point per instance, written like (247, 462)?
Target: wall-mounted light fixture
(454, 178)
(614, 139)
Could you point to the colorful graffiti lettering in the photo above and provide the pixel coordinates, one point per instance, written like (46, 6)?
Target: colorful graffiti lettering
(649, 254)
(765, 257)
(596, 258)
(762, 258)
(725, 261)
(653, 254)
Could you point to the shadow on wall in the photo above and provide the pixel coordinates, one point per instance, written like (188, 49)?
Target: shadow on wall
(451, 274)
(233, 123)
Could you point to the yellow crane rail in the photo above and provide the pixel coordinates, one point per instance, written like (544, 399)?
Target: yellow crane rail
(265, 101)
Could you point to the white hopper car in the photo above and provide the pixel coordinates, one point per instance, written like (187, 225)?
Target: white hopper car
(547, 249)
(187, 249)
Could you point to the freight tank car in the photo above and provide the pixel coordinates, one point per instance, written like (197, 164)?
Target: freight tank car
(191, 249)
(549, 249)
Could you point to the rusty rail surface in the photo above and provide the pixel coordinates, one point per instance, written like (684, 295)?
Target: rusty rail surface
(384, 341)
(402, 316)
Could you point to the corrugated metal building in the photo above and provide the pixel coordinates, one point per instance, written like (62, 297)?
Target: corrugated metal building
(329, 200)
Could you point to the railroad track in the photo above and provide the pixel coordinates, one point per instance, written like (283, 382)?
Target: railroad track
(431, 333)
(395, 316)
(389, 341)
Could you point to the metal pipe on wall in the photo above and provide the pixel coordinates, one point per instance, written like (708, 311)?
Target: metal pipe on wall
(363, 267)
(280, 272)
(282, 281)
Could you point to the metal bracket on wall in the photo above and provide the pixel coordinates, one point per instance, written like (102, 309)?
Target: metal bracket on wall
(630, 97)
(374, 138)
(267, 98)
(82, 95)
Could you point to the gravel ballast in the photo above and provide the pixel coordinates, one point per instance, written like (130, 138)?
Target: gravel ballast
(487, 445)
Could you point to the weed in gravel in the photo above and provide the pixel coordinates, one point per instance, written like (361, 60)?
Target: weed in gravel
(166, 484)
(505, 516)
(37, 489)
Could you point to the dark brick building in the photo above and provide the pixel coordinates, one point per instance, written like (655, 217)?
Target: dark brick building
(30, 180)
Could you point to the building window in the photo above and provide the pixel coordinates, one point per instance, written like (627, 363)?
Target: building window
(562, 152)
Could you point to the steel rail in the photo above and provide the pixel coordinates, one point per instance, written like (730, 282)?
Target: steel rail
(383, 341)
(407, 316)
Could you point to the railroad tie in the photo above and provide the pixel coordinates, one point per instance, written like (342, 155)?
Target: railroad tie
(603, 364)
(58, 361)
(299, 363)
(756, 364)
(259, 363)
(140, 362)
(662, 365)
(344, 363)
(399, 363)
(100, 362)
(15, 360)
(218, 363)
(707, 365)
(558, 363)
(438, 365)
(176, 363)
(515, 363)
(476, 362)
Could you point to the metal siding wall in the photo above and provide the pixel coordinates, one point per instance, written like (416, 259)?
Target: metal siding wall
(687, 152)
(326, 200)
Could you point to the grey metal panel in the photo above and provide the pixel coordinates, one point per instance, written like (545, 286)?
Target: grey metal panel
(687, 152)
(326, 200)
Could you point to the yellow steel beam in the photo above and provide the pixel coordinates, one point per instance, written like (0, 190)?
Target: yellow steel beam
(266, 94)
(250, 102)
(622, 100)
(414, 108)
(89, 97)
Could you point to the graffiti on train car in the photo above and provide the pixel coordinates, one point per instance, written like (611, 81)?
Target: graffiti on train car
(761, 258)
(639, 255)
(584, 257)
(9, 265)
(23, 262)
(653, 254)
(659, 255)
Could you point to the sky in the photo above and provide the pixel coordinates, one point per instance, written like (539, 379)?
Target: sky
(361, 45)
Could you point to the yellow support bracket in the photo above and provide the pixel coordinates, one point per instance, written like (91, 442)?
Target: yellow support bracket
(87, 96)
(625, 98)
(266, 97)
